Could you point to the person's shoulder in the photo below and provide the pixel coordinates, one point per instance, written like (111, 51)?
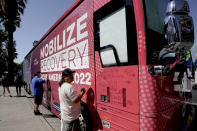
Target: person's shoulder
(42, 80)
(39, 78)
(34, 78)
(66, 85)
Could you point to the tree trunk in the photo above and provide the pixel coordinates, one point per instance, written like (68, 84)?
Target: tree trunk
(10, 58)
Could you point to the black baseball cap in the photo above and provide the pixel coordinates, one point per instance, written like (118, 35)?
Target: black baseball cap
(67, 71)
(38, 72)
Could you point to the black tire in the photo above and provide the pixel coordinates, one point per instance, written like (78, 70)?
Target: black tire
(193, 126)
(188, 114)
(85, 118)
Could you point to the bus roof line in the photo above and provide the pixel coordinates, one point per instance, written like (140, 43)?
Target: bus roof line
(65, 14)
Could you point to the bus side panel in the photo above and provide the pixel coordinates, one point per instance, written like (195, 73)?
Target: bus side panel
(120, 111)
(116, 86)
(167, 120)
(35, 62)
(69, 45)
(160, 107)
(99, 3)
(27, 72)
(114, 119)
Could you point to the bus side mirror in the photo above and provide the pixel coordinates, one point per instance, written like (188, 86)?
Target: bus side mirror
(158, 70)
(162, 70)
(109, 56)
(166, 60)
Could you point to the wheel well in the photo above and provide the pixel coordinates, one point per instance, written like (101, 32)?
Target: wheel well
(86, 115)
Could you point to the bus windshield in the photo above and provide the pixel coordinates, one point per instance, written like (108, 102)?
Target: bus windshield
(154, 13)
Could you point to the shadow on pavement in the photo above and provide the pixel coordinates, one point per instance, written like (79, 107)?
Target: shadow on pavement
(194, 87)
(49, 116)
(19, 96)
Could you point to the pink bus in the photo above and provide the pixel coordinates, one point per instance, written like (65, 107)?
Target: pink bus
(129, 55)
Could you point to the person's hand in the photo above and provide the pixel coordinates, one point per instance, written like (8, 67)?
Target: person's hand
(80, 95)
(83, 91)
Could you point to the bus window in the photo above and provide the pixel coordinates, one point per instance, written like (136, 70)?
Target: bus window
(115, 34)
(155, 13)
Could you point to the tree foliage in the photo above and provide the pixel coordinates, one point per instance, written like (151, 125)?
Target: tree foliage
(10, 12)
(3, 52)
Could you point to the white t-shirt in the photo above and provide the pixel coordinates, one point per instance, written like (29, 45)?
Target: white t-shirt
(69, 110)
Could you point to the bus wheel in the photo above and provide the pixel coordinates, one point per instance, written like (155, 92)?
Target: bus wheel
(82, 122)
(188, 114)
(85, 118)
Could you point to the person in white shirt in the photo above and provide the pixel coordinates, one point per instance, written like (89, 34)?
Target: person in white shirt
(69, 102)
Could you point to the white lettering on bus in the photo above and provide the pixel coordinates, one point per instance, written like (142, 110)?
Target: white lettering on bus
(42, 53)
(64, 39)
(50, 47)
(46, 48)
(70, 29)
(54, 44)
(74, 57)
(59, 46)
(82, 78)
(80, 27)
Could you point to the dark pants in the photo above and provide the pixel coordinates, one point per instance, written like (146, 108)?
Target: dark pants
(70, 125)
(18, 90)
(38, 99)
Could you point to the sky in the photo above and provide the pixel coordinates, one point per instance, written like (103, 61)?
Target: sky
(40, 15)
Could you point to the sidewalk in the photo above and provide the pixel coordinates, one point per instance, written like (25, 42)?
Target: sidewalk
(16, 114)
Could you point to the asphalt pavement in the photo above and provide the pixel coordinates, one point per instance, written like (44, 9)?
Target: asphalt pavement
(16, 114)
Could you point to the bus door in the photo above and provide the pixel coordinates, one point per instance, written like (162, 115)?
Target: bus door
(116, 63)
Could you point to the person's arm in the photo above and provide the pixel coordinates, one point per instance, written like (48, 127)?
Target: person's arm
(72, 94)
(41, 80)
(80, 95)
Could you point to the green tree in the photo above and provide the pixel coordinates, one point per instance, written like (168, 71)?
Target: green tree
(3, 37)
(3, 61)
(11, 10)
(18, 68)
(4, 57)
(3, 53)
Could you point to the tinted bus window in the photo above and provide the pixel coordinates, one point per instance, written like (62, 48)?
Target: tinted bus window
(154, 12)
(115, 34)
